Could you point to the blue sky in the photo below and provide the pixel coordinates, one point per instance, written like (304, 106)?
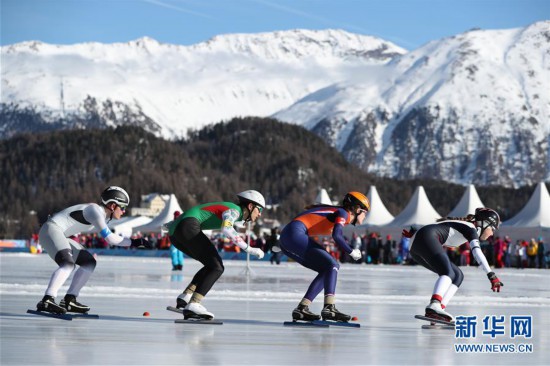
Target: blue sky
(407, 23)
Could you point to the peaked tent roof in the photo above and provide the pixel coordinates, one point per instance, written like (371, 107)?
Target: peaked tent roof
(418, 212)
(468, 203)
(536, 213)
(322, 197)
(125, 225)
(379, 214)
(166, 215)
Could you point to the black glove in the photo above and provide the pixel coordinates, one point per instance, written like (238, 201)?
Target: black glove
(140, 242)
(495, 282)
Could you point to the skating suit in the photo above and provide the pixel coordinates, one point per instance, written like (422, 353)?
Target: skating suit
(212, 216)
(430, 239)
(298, 243)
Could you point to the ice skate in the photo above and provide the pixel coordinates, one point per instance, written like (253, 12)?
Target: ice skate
(435, 311)
(195, 310)
(330, 312)
(48, 305)
(302, 312)
(73, 306)
(183, 300)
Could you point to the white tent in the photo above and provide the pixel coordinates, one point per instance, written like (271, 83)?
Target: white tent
(418, 212)
(125, 225)
(379, 214)
(467, 204)
(322, 197)
(536, 213)
(166, 215)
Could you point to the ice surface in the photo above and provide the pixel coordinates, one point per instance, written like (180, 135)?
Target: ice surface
(253, 308)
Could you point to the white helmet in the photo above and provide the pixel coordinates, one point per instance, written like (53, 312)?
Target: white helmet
(251, 196)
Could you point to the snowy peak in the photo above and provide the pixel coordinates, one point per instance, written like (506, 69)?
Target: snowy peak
(472, 108)
(303, 44)
(460, 109)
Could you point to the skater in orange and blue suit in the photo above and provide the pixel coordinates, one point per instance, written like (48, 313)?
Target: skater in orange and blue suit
(298, 243)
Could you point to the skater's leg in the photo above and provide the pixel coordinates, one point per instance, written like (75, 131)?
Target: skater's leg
(53, 240)
(459, 276)
(191, 240)
(57, 245)
(428, 252)
(87, 264)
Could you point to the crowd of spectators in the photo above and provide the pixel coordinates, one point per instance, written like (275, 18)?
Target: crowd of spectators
(376, 249)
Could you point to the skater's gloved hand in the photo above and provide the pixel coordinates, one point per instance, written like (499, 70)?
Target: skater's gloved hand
(408, 233)
(140, 242)
(496, 284)
(256, 252)
(355, 254)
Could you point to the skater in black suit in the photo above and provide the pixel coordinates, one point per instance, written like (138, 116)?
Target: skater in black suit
(428, 250)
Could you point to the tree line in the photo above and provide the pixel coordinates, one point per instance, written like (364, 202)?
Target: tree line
(46, 172)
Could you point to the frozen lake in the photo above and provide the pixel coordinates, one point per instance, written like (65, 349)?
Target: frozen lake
(254, 307)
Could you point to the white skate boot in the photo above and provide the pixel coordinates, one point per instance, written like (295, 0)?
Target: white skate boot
(434, 310)
(195, 310)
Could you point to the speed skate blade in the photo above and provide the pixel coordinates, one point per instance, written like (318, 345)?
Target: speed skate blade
(437, 326)
(83, 316)
(198, 321)
(338, 324)
(51, 315)
(422, 317)
(174, 309)
(305, 324)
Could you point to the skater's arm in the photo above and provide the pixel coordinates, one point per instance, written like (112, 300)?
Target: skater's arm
(478, 255)
(96, 216)
(228, 221)
(338, 231)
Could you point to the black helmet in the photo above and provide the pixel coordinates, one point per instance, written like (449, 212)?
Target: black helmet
(486, 217)
(115, 194)
(356, 199)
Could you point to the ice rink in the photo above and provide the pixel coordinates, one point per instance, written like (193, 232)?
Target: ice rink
(253, 305)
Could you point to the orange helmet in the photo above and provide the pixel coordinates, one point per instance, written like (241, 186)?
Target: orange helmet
(356, 199)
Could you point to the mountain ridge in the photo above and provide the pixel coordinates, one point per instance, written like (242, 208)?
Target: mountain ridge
(368, 98)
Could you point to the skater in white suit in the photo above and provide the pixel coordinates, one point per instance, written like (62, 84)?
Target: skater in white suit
(67, 253)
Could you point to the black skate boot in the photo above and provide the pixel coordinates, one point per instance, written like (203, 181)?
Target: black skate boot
(330, 312)
(302, 313)
(70, 303)
(48, 305)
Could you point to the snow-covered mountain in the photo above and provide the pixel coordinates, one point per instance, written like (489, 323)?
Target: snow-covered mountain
(473, 108)
(168, 88)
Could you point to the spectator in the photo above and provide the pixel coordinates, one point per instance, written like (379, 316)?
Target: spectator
(175, 253)
(540, 254)
(273, 246)
(532, 252)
